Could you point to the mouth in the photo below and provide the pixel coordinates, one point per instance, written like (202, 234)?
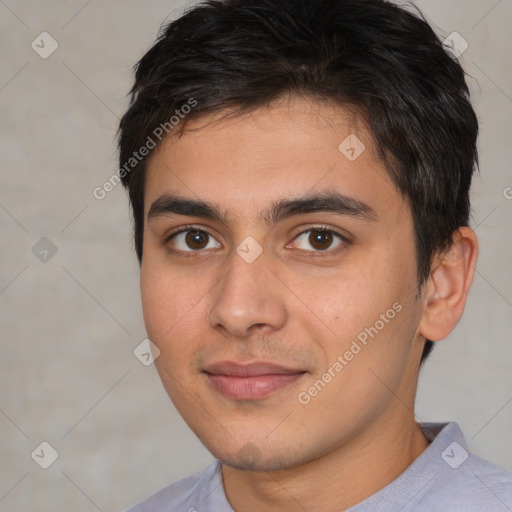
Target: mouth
(250, 381)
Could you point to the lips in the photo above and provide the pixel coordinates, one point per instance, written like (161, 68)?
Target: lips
(233, 369)
(250, 381)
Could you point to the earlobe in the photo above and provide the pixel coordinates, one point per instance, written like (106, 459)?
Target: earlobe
(447, 288)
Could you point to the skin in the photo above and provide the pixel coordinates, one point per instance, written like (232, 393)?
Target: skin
(296, 305)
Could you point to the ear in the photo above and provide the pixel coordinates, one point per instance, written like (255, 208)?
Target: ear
(447, 287)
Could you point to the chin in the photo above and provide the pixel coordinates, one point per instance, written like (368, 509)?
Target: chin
(252, 458)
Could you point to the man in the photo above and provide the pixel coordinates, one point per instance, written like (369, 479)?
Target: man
(299, 174)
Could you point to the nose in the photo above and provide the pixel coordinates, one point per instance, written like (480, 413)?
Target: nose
(247, 299)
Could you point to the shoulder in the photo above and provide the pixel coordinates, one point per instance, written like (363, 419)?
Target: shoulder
(464, 480)
(185, 494)
(477, 485)
(489, 478)
(445, 477)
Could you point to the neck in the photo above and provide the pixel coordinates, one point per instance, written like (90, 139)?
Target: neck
(337, 481)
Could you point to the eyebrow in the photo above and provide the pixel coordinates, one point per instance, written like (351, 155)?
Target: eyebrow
(328, 201)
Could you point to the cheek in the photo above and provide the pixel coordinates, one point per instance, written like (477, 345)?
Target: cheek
(355, 294)
(157, 302)
(173, 305)
(367, 303)
(165, 298)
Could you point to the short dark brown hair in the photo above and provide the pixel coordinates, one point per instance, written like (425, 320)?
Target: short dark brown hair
(373, 55)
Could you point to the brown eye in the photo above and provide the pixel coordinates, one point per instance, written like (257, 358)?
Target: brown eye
(196, 239)
(192, 240)
(318, 240)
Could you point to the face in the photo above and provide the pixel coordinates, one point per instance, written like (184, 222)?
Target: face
(279, 283)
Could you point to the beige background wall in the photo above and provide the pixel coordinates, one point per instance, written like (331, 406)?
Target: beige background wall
(69, 325)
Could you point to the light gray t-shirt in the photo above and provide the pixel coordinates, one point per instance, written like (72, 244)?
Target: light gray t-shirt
(446, 477)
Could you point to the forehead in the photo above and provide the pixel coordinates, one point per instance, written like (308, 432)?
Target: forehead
(290, 148)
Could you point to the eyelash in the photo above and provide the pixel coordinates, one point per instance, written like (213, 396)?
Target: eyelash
(312, 254)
